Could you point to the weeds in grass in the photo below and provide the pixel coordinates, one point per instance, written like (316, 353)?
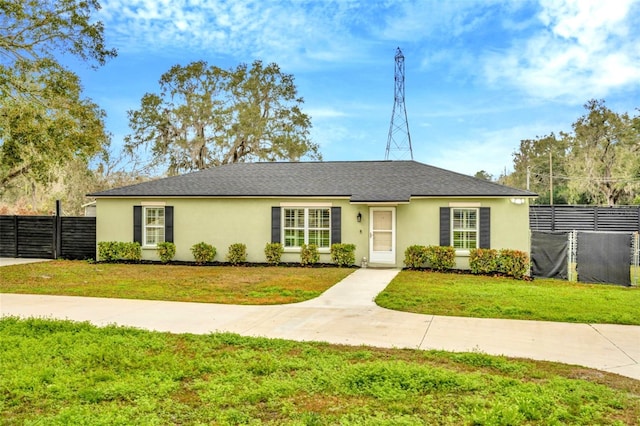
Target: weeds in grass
(59, 372)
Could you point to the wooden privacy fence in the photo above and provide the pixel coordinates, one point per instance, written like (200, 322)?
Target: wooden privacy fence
(48, 237)
(584, 218)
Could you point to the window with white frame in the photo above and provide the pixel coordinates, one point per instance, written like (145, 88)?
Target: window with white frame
(464, 228)
(308, 225)
(153, 226)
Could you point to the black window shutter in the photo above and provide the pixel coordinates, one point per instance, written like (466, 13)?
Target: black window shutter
(445, 226)
(485, 227)
(168, 224)
(137, 224)
(336, 225)
(275, 224)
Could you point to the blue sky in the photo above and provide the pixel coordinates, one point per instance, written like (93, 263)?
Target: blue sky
(480, 75)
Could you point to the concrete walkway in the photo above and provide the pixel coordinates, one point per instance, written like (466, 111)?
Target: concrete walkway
(346, 314)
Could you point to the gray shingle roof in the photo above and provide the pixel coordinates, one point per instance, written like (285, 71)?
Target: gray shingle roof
(361, 181)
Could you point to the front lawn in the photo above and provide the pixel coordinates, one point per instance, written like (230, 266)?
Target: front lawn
(64, 373)
(498, 297)
(211, 284)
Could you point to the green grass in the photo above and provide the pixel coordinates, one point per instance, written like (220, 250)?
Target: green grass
(63, 373)
(209, 284)
(498, 297)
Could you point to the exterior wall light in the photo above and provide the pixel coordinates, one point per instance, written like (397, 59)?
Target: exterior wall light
(359, 217)
(517, 201)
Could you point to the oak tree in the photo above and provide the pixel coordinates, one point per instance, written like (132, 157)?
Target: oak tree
(44, 121)
(206, 116)
(604, 157)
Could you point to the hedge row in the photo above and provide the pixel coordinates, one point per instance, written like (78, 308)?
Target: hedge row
(513, 263)
(110, 251)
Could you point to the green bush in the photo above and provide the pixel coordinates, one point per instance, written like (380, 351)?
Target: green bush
(415, 256)
(130, 251)
(237, 253)
(166, 251)
(483, 261)
(441, 258)
(514, 263)
(111, 251)
(309, 254)
(343, 254)
(203, 252)
(273, 252)
(108, 251)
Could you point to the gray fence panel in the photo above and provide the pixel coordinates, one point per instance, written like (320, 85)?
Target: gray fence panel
(604, 258)
(549, 254)
(584, 218)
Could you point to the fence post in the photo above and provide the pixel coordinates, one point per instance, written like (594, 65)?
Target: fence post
(57, 230)
(572, 257)
(636, 258)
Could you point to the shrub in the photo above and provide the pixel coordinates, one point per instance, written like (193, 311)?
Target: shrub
(309, 254)
(203, 252)
(108, 251)
(111, 251)
(415, 256)
(273, 252)
(166, 251)
(514, 263)
(483, 261)
(237, 253)
(343, 254)
(131, 251)
(441, 258)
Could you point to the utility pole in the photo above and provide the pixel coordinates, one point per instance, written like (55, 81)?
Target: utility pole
(399, 140)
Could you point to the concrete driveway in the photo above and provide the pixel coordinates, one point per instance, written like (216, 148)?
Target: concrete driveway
(7, 261)
(346, 314)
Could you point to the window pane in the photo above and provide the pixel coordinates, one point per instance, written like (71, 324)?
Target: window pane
(294, 218)
(319, 238)
(154, 236)
(155, 217)
(293, 237)
(464, 239)
(465, 218)
(319, 218)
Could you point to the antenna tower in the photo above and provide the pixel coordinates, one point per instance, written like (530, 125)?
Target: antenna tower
(399, 141)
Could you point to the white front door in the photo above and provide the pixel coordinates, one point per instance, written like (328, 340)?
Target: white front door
(382, 235)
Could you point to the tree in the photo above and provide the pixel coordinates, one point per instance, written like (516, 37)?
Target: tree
(38, 138)
(539, 166)
(484, 175)
(44, 122)
(604, 155)
(205, 116)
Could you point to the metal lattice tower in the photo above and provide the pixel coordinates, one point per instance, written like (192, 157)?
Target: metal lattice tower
(399, 141)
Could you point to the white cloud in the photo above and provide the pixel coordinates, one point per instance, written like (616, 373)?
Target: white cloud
(317, 113)
(294, 32)
(585, 49)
